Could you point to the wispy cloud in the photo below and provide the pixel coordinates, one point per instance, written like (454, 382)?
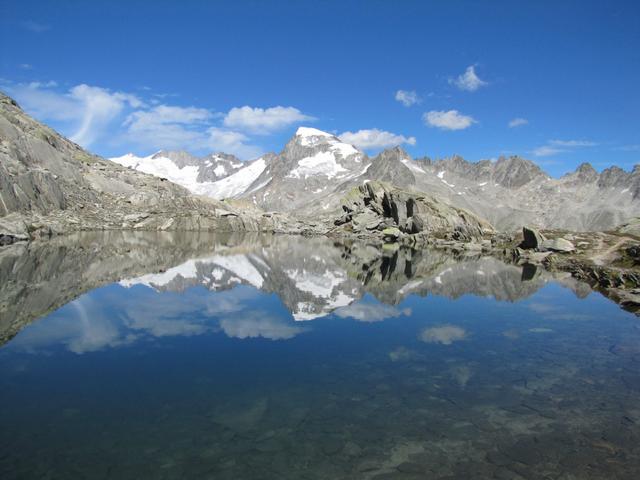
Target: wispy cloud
(263, 120)
(35, 27)
(144, 121)
(25, 66)
(87, 111)
(407, 97)
(629, 148)
(518, 122)
(448, 120)
(469, 80)
(554, 147)
(374, 139)
(573, 143)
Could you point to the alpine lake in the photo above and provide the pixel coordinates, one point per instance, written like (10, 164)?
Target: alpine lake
(199, 356)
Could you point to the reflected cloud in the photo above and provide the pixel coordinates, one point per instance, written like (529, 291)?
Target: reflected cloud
(402, 354)
(370, 312)
(444, 334)
(550, 311)
(80, 327)
(255, 324)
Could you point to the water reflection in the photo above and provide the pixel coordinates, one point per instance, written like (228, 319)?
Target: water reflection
(312, 278)
(169, 356)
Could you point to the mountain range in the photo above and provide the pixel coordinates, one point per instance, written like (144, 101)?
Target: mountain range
(316, 169)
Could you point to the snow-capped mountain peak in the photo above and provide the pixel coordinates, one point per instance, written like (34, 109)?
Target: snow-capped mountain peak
(314, 138)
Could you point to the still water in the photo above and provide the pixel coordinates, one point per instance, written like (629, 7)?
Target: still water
(262, 357)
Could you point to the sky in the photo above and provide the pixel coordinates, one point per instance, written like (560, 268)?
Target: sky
(553, 81)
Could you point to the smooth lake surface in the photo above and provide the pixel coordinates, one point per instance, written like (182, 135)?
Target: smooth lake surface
(171, 356)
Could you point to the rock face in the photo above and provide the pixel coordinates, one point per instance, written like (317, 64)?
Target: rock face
(378, 209)
(49, 184)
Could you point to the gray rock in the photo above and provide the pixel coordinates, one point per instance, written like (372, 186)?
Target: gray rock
(558, 245)
(532, 238)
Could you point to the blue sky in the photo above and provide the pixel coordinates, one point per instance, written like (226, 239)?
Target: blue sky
(241, 76)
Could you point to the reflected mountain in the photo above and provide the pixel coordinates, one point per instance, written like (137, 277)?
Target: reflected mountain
(312, 277)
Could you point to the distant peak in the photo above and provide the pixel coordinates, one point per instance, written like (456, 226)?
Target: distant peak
(585, 167)
(311, 132)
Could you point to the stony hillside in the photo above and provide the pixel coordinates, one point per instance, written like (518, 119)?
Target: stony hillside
(49, 184)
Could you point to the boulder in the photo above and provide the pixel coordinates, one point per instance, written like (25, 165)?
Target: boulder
(532, 238)
(558, 245)
(391, 234)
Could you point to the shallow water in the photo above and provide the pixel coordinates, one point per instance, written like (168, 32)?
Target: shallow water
(167, 356)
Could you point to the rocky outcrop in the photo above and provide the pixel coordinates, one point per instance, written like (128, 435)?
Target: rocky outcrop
(379, 210)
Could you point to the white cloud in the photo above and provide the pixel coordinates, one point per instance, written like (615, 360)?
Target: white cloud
(231, 142)
(25, 66)
(173, 128)
(263, 120)
(87, 110)
(374, 138)
(449, 120)
(518, 122)
(553, 147)
(407, 97)
(546, 151)
(92, 115)
(166, 114)
(99, 107)
(468, 81)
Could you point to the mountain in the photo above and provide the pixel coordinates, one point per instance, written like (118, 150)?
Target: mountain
(183, 168)
(316, 169)
(48, 184)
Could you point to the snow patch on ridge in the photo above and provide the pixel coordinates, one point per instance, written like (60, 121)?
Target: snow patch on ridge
(322, 163)
(161, 167)
(234, 184)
